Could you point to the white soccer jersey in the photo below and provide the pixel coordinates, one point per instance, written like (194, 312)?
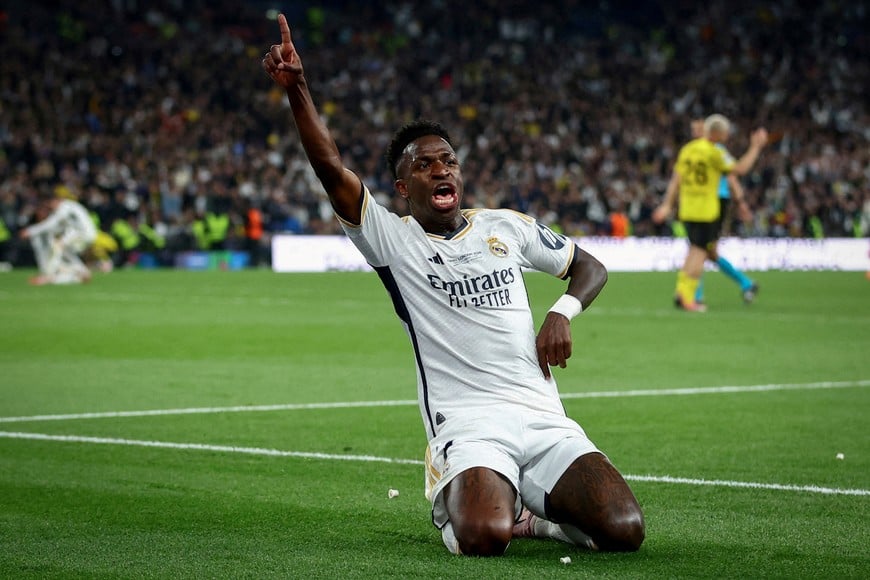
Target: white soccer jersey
(463, 303)
(70, 220)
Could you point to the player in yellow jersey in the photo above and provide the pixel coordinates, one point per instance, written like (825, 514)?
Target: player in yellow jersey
(700, 166)
(729, 188)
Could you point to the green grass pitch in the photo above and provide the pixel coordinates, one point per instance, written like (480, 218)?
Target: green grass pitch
(267, 479)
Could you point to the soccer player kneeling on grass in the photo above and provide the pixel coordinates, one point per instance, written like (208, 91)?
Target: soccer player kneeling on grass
(503, 459)
(58, 241)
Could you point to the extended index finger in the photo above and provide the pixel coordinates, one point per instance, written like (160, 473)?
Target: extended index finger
(285, 30)
(542, 358)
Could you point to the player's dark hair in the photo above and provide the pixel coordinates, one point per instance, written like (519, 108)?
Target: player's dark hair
(408, 134)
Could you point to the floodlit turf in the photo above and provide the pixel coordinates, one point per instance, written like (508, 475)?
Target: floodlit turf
(302, 491)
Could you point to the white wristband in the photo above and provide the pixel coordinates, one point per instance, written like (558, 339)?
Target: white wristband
(567, 306)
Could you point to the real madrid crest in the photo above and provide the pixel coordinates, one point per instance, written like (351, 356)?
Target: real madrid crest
(497, 247)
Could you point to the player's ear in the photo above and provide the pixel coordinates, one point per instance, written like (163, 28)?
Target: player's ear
(401, 188)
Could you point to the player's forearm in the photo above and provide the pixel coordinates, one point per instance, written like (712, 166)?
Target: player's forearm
(45, 225)
(36, 229)
(320, 147)
(588, 277)
(736, 189)
(671, 191)
(745, 163)
(342, 185)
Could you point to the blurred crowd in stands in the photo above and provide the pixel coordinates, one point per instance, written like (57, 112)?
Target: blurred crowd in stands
(158, 117)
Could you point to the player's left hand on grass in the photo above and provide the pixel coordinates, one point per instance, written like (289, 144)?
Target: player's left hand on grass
(553, 342)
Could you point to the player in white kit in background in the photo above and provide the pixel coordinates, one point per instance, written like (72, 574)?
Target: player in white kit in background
(58, 240)
(503, 460)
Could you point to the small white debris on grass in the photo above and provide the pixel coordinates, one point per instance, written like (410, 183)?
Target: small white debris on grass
(840, 456)
(392, 493)
(565, 560)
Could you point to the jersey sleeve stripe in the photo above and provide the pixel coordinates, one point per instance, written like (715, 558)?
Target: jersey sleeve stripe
(564, 273)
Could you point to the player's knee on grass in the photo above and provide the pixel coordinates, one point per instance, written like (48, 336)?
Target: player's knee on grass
(614, 530)
(607, 511)
(481, 504)
(483, 537)
(623, 531)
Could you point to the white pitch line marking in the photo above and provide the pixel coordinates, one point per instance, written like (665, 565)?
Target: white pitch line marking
(746, 484)
(376, 459)
(721, 390)
(407, 403)
(201, 447)
(206, 410)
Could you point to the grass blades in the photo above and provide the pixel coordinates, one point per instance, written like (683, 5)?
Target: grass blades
(300, 489)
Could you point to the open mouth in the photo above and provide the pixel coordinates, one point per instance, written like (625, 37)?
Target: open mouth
(445, 196)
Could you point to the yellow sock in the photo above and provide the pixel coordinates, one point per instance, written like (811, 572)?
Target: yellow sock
(686, 287)
(681, 283)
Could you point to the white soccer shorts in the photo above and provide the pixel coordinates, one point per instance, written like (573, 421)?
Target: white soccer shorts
(531, 450)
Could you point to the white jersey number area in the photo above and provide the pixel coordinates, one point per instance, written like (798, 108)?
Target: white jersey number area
(550, 238)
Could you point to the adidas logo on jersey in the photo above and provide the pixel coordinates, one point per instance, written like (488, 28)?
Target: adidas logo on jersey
(436, 259)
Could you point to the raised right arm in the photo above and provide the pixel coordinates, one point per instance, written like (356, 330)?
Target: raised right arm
(344, 188)
(757, 141)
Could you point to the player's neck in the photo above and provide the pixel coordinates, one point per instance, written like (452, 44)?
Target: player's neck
(443, 227)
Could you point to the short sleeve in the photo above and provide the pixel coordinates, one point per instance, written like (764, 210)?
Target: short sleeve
(545, 250)
(380, 233)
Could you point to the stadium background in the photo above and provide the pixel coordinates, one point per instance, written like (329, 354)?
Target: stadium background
(172, 424)
(159, 119)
